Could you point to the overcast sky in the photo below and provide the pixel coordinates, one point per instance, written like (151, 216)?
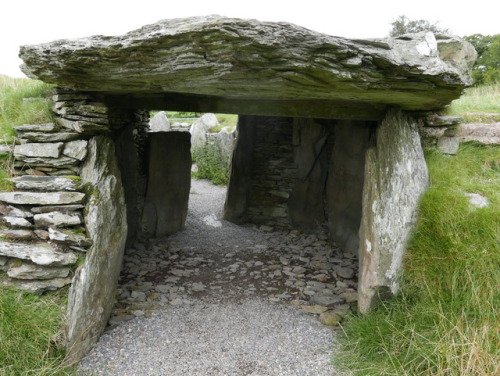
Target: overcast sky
(38, 21)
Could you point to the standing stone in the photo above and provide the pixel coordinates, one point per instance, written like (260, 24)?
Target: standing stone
(200, 128)
(159, 123)
(395, 178)
(166, 204)
(344, 189)
(91, 296)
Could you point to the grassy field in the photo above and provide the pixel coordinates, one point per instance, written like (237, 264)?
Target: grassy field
(444, 322)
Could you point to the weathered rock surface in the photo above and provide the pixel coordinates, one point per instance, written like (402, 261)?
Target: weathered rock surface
(488, 134)
(159, 123)
(33, 271)
(267, 68)
(448, 144)
(40, 253)
(45, 183)
(11, 234)
(46, 150)
(58, 219)
(42, 198)
(76, 149)
(395, 178)
(69, 237)
(36, 286)
(91, 296)
(200, 128)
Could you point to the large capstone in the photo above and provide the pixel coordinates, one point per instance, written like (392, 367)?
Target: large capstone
(266, 69)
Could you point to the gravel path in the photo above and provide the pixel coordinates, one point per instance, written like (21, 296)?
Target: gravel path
(201, 315)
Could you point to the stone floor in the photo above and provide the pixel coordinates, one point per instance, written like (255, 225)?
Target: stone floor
(287, 266)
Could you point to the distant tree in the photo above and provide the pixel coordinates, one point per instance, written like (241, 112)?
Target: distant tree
(403, 25)
(487, 66)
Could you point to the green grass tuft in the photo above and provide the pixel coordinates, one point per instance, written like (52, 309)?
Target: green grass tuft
(445, 320)
(14, 111)
(212, 164)
(478, 104)
(30, 334)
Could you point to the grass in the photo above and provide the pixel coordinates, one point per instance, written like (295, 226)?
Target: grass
(212, 164)
(445, 320)
(30, 334)
(14, 111)
(478, 104)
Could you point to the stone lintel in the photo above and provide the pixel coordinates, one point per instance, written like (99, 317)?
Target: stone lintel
(323, 109)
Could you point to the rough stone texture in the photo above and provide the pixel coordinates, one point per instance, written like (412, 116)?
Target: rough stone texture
(46, 150)
(16, 222)
(58, 219)
(11, 234)
(91, 296)
(200, 128)
(59, 208)
(41, 253)
(49, 137)
(166, 203)
(306, 202)
(45, 183)
(33, 271)
(485, 133)
(12, 211)
(395, 178)
(448, 144)
(42, 198)
(159, 123)
(76, 149)
(435, 120)
(36, 286)
(267, 68)
(69, 237)
(45, 128)
(344, 187)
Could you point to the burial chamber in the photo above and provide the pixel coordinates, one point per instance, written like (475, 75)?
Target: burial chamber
(327, 138)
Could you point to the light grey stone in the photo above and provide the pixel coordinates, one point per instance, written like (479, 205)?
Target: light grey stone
(58, 219)
(159, 123)
(76, 149)
(17, 222)
(49, 137)
(448, 144)
(395, 178)
(92, 293)
(12, 211)
(11, 234)
(345, 272)
(33, 271)
(46, 183)
(477, 200)
(3, 260)
(6, 149)
(40, 253)
(488, 134)
(36, 286)
(200, 128)
(69, 237)
(326, 300)
(52, 162)
(42, 150)
(42, 198)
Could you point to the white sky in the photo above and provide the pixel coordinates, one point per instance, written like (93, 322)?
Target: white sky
(39, 21)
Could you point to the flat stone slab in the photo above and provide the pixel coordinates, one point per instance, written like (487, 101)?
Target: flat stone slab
(42, 198)
(36, 286)
(40, 253)
(228, 62)
(46, 183)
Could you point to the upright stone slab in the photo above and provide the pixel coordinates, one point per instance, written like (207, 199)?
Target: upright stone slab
(395, 178)
(344, 187)
(91, 296)
(166, 203)
(306, 202)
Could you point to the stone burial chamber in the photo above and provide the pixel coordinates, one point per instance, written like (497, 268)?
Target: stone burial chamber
(327, 138)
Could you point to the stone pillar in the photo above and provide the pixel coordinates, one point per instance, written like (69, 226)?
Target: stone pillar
(395, 178)
(344, 188)
(169, 181)
(241, 171)
(92, 293)
(306, 203)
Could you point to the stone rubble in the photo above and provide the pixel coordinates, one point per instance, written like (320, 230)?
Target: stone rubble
(291, 267)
